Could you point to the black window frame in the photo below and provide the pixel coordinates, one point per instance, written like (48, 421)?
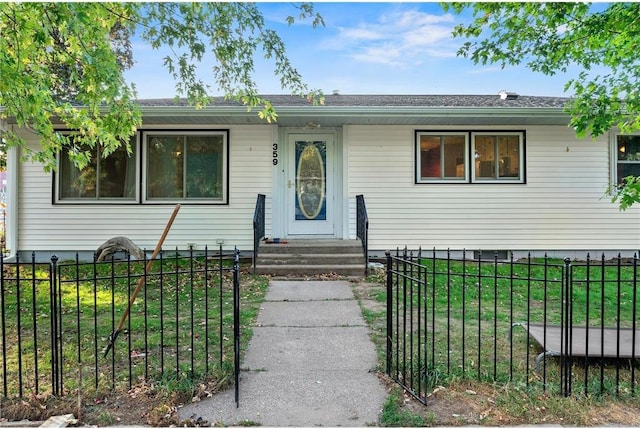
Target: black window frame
(469, 164)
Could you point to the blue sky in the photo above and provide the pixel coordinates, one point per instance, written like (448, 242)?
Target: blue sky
(369, 48)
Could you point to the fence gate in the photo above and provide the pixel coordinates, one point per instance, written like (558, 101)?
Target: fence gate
(407, 324)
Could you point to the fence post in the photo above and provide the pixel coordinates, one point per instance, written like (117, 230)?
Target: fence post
(236, 324)
(566, 330)
(53, 302)
(389, 310)
(3, 324)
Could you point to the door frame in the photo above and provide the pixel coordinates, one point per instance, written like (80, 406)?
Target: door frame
(281, 204)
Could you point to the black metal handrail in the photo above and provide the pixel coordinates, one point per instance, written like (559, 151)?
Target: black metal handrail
(258, 227)
(362, 229)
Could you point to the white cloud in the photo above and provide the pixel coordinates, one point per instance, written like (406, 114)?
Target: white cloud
(426, 36)
(389, 55)
(414, 18)
(485, 70)
(360, 34)
(398, 39)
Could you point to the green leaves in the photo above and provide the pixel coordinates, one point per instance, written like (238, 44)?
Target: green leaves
(231, 34)
(63, 63)
(550, 38)
(626, 194)
(57, 56)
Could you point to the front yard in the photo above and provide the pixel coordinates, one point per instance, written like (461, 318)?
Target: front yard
(456, 401)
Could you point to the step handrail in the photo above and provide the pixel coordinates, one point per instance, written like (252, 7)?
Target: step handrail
(258, 227)
(362, 229)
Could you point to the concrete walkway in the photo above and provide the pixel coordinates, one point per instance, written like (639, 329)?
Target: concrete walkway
(310, 363)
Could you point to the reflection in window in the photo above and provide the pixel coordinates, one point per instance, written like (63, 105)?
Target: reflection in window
(447, 157)
(111, 177)
(497, 156)
(183, 166)
(442, 157)
(627, 157)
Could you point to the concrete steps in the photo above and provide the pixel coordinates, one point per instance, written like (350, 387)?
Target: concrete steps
(304, 258)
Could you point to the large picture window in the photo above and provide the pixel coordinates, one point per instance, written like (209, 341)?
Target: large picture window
(105, 178)
(627, 157)
(469, 157)
(186, 166)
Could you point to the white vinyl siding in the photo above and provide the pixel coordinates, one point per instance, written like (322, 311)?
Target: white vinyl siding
(45, 226)
(562, 205)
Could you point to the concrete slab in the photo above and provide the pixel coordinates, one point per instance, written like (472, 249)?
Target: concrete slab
(308, 290)
(299, 349)
(310, 313)
(309, 363)
(297, 398)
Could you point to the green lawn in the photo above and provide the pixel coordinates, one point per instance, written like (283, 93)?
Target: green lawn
(179, 331)
(460, 314)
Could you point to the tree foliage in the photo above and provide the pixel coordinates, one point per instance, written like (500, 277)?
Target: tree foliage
(554, 37)
(64, 63)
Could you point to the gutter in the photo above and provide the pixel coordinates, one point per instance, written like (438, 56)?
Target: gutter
(363, 115)
(380, 111)
(246, 115)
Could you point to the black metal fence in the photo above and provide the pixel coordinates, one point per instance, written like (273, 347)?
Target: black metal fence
(258, 227)
(362, 229)
(556, 325)
(56, 319)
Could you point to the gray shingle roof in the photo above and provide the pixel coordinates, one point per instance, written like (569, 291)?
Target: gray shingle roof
(428, 101)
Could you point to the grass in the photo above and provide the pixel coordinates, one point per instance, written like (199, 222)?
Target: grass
(179, 331)
(455, 397)
(459, 317)
(395, 415)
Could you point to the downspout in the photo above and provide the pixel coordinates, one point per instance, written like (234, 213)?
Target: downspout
(11, 226)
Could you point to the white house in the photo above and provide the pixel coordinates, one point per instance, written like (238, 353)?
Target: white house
(461, 172)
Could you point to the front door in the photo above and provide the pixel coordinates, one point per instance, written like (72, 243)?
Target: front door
(310, 192)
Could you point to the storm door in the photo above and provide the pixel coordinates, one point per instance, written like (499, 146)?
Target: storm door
(311, 185)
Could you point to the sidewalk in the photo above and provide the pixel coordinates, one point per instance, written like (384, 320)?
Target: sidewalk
(310, 363)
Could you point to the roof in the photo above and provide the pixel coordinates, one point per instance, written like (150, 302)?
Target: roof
(340, 109)
(340, 100)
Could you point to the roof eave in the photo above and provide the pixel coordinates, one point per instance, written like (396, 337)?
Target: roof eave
(292, 115)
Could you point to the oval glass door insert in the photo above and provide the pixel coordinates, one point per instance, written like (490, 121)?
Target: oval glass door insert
(311, 180)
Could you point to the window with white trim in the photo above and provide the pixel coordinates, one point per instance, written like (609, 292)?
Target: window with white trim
(627, 157)
(110, 178)
(186, 166)
(469, 157)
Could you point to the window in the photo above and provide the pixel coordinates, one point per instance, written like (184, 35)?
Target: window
(443, 157)
(109, 178)
(627, 157)
(186, 166)
(497, 157)
(469, 157)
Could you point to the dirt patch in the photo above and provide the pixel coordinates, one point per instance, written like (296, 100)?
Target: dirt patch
(472, 403)
(143, 405)
(366, 294)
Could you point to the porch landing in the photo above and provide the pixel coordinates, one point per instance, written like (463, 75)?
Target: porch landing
(303, 258)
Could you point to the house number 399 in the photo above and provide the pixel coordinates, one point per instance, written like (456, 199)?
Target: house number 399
(275, 154)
